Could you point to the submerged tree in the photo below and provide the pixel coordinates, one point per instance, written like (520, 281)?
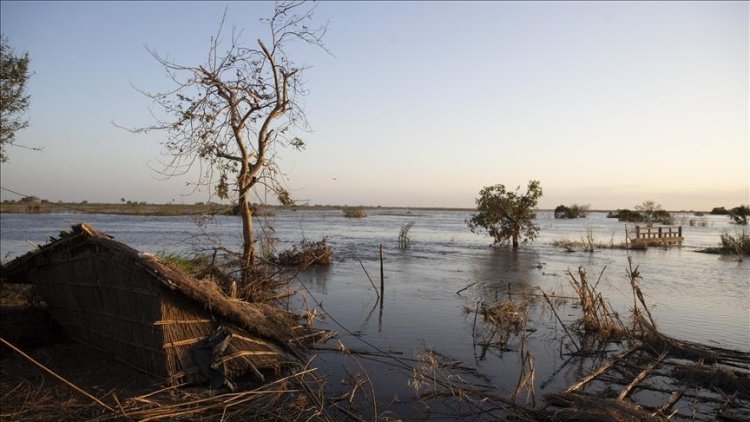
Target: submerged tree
(739, 214)
(651, 212)
(14, 73)
(573, 211)
(229, 114)
(506, 215)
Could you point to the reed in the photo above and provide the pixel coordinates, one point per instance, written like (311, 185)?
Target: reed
(737, 244)
(588, 243)
(403, 235)
(597, 315)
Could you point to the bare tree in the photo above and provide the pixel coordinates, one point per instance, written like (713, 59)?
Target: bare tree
(229, 114)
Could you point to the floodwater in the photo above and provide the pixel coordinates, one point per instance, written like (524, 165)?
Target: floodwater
(692, 296)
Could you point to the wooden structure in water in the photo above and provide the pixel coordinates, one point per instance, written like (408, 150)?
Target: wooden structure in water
(150, 315)
(661, 235)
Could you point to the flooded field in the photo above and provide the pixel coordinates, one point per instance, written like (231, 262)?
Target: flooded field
(693, 296)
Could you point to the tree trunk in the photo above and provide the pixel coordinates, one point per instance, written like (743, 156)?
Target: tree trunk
(515, 240)
(248, 239)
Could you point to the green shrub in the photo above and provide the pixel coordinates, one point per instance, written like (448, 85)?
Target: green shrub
(573, 211)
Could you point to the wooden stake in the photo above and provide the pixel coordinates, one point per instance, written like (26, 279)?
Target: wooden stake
(369, 278)
(382, 284)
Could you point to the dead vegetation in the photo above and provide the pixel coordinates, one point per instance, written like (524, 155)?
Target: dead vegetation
(597, 314)
(687, 380)
(500, 321)
(297, 395)
(354, 212)
(403, 235)
(693, 381)
(306, 253)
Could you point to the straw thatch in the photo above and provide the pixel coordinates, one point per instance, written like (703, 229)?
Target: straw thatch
(150, 315)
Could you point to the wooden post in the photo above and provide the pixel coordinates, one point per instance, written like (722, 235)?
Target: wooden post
(637, 232)
(382, 285)
(679, 231)
(659, 232)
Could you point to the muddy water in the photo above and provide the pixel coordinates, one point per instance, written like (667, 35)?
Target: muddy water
(693, 296)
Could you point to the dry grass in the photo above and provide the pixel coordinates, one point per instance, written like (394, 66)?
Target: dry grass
(508, 316)
(296, 396)
(354, 212)
(597, 315)
(305, 254)
(714, 377)
(438, 380)
(584, 407)
(18, 295)
(588, 243)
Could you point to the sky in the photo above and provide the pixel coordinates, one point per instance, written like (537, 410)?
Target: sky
(418, 103)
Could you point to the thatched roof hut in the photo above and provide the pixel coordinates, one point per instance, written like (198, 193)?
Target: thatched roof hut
(150, 315)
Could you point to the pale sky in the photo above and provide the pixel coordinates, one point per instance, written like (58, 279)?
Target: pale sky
(421, 104)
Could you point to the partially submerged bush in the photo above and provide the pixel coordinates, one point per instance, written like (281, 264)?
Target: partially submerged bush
(738, 243)
(647, 212)
(739, 214)
(626, 215)
(654, 216)
(354, 212)
(573, 211)
(306, 253)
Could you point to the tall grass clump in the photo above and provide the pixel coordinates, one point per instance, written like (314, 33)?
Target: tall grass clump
(737, 244)
(194, 265)
(597, 315)
(588, 243)
(403, 235)
(588, 240)
(354, 212)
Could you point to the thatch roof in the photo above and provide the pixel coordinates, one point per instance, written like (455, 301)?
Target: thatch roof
(258, 319)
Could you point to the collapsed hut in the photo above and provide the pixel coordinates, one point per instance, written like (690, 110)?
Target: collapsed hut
(149, 315)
